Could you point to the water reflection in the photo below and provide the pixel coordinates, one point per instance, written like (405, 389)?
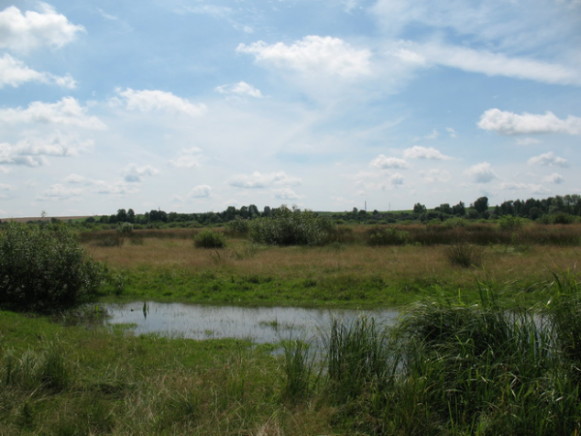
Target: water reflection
(259, 324)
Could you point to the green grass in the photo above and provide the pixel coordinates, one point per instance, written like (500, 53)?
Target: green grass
(447, 368)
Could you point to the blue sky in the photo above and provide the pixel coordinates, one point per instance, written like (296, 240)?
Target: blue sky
(194, 105)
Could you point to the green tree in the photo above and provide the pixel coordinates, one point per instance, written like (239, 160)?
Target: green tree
(419, 208)
(481, 205)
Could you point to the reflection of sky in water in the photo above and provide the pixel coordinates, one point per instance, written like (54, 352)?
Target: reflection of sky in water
(260, 324)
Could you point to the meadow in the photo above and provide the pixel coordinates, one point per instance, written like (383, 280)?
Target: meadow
(489, 341)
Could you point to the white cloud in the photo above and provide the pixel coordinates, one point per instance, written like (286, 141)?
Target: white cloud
(8, 156)
(395, 180)
(419, 152)
(200, 191)
(436, 175)
(527, 141)
(509, 123)
(481, 172)
(114, 188)
(451, 132)
(258, 180)
(555, 178)
(76, 179)
(188, 158)
(497, 64)
(67, 112)
(242, 89)
(30, 30)
(155, 100)
(548, 159)
(385, 162)
(530, 187)
(135, 174)
(286, 194)
(60, 192)
(313, 55)
(14, 73)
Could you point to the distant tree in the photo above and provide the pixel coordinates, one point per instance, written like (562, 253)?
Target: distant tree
(444, 208)
(121, 216)
(253, 211)
(459, 209)
(419, 208)
(481, 205)
(267, 211)
(130, 216)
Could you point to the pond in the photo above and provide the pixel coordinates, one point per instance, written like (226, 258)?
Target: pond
(259, 324)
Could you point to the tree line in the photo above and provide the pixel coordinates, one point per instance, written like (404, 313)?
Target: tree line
(557, 209)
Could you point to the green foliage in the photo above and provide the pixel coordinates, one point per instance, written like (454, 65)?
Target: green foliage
(387, 236)
(292, 227)
(42, 268)
(510, 223)
(210, 239)
(464, 255)
(298, 370)
(238, 227)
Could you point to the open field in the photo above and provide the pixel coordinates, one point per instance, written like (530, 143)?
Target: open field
(339, 274)
(458, 362)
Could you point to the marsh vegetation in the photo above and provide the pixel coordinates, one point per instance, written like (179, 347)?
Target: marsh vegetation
(489, 342)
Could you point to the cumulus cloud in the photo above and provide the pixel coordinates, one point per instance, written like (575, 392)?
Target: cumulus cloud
(509, 123)
(31, 151)
(135, 174)
(60, 192)
(530, 187)
(481, 173)
(188, 158)
(34, 29)
(155, 100)
(286, 194)
(385, 162)
(241, 89)
(259, 180)
(200, 191)
(555, 178)
(313, 55)
(119, 188)
(548, 159)
(419, 152)
(67, 112)
(436, 175)
(14, 73)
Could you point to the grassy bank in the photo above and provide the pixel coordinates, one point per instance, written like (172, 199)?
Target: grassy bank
(446, 369)
(341, 275)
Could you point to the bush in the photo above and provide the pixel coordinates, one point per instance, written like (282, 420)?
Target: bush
(210, 239)
(464, 255)
(43, 269)
(292, 227)
(386, 236)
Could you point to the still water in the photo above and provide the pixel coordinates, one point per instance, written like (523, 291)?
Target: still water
(259, 324)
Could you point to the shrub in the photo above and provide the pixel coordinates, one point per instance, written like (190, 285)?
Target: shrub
(210, 239)
(464, 255)
(238, 227)
(386, 236)
(42, 268)
(292, 227)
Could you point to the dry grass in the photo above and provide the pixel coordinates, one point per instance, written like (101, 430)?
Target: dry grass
(499, 263)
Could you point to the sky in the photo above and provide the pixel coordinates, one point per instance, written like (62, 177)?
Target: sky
(195, 105)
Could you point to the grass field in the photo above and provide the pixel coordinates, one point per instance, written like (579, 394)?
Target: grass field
(340, 274)
(458, 363)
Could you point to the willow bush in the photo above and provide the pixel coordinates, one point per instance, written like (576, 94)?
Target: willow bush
(43, 269)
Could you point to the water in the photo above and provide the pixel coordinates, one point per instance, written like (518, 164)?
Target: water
(259, 324)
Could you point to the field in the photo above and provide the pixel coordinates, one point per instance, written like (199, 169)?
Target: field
(490, 343)
(341, 274)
